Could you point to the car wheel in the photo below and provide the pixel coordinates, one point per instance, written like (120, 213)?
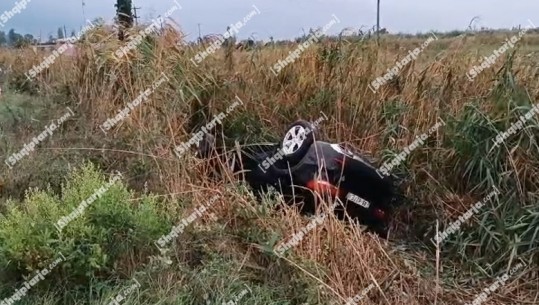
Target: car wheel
(297, 141)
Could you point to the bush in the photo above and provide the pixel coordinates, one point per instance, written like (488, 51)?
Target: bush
(95, 243)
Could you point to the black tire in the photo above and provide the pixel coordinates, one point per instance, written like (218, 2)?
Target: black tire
(294, 157)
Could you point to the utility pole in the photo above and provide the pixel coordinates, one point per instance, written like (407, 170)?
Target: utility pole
(136, 15)
(378, 21)
(83, 13)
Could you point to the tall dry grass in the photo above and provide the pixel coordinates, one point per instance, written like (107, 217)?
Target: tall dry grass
(452, 171)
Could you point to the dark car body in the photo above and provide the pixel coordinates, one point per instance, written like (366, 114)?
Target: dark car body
(325, 170)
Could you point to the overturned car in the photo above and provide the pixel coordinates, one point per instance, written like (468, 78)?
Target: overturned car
(305, 170)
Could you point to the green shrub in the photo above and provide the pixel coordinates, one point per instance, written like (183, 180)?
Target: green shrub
(108, 231)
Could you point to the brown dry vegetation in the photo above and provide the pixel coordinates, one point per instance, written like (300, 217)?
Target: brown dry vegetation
(443, 178)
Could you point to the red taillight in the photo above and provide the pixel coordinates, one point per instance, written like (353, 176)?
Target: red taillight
(323, 187)
(379, 214)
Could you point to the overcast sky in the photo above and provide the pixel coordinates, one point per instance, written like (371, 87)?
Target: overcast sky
(281, 18)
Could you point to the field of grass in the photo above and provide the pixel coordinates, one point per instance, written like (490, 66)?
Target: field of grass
(226, 254)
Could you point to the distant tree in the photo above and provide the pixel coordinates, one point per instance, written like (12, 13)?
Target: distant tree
(73, 33)
(3, 38)
(250, 43)
(24, 41)
(11, 36)
(271, 42)
(124, 16)
(230, 41)
(99, 21)
(60, 33)
(51, 39)
(14, 37)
